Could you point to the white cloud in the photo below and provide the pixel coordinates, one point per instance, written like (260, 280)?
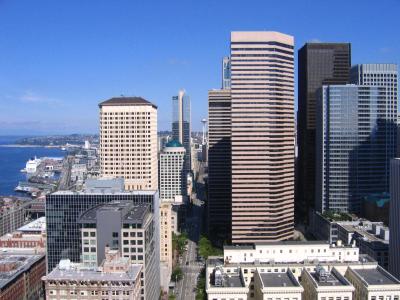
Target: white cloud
(315, 40)
(177, 61)
(385, 50)
(32, 97)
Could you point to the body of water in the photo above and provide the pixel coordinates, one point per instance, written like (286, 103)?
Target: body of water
(13, 159)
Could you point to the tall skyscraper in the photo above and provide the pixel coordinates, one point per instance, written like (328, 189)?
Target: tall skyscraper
(385, 75)
(128, 142)
(226, 73)
(219, 165)
(319, 63)
(354, 142)
(262, 136)
(394, 219)
(172, 176)
(181, 124)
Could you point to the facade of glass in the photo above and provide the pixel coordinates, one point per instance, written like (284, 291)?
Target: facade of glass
(354, 145)
(63, 210)
(226, 73)
(318, 64)
(181, 124)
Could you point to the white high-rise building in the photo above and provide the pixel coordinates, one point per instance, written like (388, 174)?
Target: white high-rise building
(128, 142)
(172, 174)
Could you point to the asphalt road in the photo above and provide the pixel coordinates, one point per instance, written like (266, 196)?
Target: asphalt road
(65, 177)
(191, 268)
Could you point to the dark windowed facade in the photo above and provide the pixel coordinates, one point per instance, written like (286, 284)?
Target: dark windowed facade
(219, 165)
(319, 64)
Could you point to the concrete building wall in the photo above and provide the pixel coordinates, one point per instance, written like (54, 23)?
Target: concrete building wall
(172, 174)
(166, 230)
(291, 252)
(262, 136)
(128, 144)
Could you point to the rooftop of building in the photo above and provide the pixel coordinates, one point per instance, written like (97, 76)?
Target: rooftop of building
(376, 276)
(221, 279)
(130, 213)
(8, 203)
(13, 263)
(38, 225)
(233, 281)
(106, 185)
(173, 143)
(335, 216)
(99, 191)
(328, 278)
(214, 261)
(126, 101)
(81, 272)
(279, 243)
(365, 230)
(284, 280)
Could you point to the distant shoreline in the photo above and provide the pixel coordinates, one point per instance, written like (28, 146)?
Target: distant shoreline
(29, 146)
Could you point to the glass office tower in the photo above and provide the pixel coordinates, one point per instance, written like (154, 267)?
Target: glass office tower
(354, 144)
(318, 64)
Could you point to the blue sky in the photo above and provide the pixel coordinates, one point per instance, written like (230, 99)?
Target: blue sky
(59, 59)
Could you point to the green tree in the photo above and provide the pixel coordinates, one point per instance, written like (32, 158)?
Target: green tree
(206, 249)
(201, 287)
(177, 274)
(179, 242)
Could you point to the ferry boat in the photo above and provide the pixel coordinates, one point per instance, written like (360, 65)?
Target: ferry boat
(31, 165)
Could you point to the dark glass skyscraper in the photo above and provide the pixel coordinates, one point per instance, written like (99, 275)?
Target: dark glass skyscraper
(181, 124)
(319, 64)
(219, 165)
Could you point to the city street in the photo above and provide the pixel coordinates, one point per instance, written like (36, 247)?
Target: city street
(191, 268)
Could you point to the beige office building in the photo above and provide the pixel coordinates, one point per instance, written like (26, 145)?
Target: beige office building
(262, 136)
(128, 142)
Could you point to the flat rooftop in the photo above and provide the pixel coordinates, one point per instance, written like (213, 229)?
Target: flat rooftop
(109, 185)
(364, 232)
(18, 263)
(280, 243)
(34, 226)
(130, 213)
(95, 192)
(278, 280)
(332, 279)
(92, 274)
(377, 276)
(233, 281)
(217, 261)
